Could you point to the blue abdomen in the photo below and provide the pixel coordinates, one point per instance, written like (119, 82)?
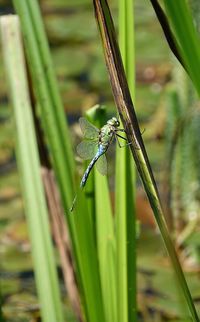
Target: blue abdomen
(101, 150)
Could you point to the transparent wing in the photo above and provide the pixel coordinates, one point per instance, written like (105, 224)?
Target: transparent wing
(89, 130)
(101, 165)
(87, 149)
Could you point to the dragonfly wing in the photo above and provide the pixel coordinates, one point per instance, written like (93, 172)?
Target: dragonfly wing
(101, 165)
(87, 149)
(89, 130)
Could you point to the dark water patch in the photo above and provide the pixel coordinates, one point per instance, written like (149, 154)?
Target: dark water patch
(8, 166)
(6, 8)
(72, 118)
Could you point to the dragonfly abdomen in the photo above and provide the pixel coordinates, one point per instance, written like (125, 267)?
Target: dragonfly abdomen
(100, 151)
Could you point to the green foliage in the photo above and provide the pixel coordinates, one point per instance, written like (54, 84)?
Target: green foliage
(54, 124)
(92, 226)
(104, 245)
(126, 110)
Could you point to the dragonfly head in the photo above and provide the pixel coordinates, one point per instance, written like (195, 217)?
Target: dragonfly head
(113, 122)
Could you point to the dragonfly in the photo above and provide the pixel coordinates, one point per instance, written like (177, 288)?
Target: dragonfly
(95, 144)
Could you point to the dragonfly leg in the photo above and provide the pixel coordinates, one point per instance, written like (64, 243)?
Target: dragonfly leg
(121, 146)
(122, 137)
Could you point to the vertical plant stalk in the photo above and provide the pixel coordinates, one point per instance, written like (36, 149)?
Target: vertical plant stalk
(104, 228)
(28, 162)
(125, 185)
(127, 113)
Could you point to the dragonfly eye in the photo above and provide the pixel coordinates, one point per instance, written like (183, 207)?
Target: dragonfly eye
(114, 122)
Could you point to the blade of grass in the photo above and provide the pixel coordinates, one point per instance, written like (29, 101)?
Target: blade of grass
(80, 225)
(125, 182)
(28, 162)
(106, 246)
(104, 231)
(187, 37)
(126, 110)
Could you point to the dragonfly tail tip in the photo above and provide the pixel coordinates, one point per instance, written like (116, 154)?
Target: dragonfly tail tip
(73, 204)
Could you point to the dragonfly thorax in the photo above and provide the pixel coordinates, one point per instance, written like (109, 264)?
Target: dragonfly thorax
(106, 133)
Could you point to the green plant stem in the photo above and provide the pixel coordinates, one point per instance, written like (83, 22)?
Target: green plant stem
(125, 184)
